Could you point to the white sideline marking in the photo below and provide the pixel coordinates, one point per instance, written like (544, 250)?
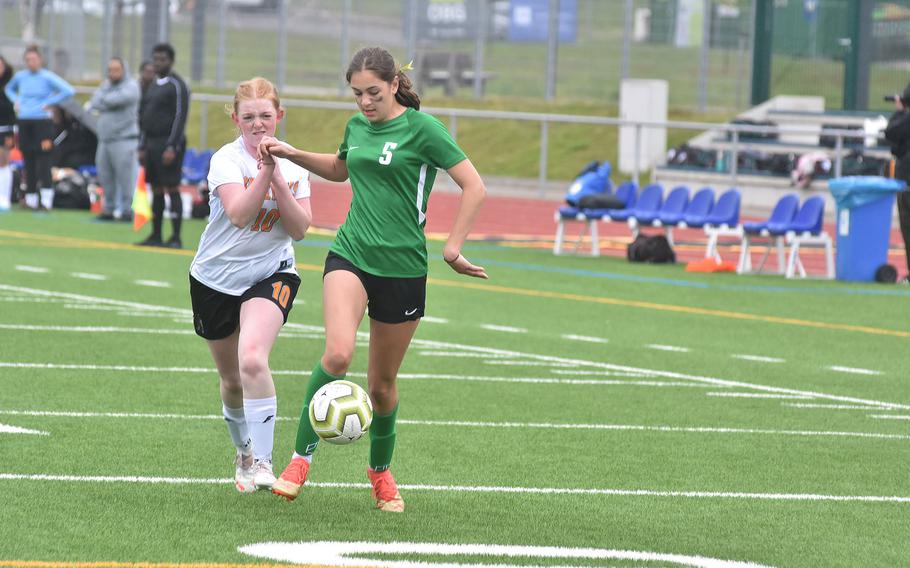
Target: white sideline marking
(832, 406)
(890, 416)
(95, 329)
(152, 283)
(758, 358)
(853, 370)
(479, 488)
(758, 395)
(36, 269)
(504, 328)
(587, 338)
(306, 372)
(431, 319)
(468, 354)
(327, 553)
(599, 373)
(88, 276)
(495, 425)
(7, 429)
(672, 348)
(519, 363)
(496, 352)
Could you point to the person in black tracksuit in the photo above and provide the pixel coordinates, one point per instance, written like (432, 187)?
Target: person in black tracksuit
(897, 133)
(162, 122)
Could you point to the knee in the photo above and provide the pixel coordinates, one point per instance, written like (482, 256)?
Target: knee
(383, 394)
(254, 363)
(336, 361)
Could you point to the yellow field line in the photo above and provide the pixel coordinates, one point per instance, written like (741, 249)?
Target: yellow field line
(85, 243)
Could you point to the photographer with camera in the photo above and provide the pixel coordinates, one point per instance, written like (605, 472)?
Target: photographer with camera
(897, 133)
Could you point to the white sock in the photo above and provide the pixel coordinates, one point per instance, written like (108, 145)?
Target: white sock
(47, 198)
(236, 423)
(6, 186)
(261, 414)
(308, 458)
(31, 200)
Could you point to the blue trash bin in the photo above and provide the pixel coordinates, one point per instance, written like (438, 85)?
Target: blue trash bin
(864, 205)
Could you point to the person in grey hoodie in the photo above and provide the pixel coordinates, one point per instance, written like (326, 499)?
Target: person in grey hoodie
(116, 102)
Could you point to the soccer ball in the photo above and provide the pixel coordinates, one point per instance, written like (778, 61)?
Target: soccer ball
(341, 412)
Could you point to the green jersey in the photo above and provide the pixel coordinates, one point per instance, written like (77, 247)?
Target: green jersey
(392, 167)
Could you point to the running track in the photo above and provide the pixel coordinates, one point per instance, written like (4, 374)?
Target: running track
(529, 222)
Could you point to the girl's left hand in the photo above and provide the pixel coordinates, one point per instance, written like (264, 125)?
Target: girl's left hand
(462, 265)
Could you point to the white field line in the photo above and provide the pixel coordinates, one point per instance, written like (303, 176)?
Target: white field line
(890, 416)
(431, 319)
(480, 488)
(757, 395)
(599, 373)
(95, 329)
(831, 406)
(88, 276)
(499, 352)
(306, 372)
(853, 370)
(492, 425)
(758, 358)
(586, 338)
(503, 328)
(519, 363)
(7, 429)
(671, 348)
(152, 283)
(466, 354)
(35, 269)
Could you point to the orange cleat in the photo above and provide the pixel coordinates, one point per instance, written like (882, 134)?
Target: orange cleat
(291, 479)
(385, 491)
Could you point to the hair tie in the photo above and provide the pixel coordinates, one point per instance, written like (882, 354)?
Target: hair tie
(408, 67)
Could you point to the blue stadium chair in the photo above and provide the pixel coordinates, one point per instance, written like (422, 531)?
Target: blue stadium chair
(773, 228)
(649, 200)
(625, 192)
(699, 208)
(723, 221)
(807, 228)
(672, 210)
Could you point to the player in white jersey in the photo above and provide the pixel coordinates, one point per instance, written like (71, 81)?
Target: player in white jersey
(243, 281)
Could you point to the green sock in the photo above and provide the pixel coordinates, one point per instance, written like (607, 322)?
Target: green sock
(382, 440)
(307, 439)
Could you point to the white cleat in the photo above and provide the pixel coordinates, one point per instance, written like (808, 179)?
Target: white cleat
(244, 473)
(263, 477)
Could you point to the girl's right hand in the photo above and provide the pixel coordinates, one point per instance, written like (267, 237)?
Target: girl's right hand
(274, 148)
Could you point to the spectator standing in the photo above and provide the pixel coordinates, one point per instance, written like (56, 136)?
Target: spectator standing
(897, 133)
(146, 75)
(33, 91)
(162, 142)
(117, 103)
(7, 132)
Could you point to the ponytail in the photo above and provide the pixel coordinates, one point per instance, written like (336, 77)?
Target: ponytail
(406, 95)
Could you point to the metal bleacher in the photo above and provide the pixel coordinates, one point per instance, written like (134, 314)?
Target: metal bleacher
(800, 122)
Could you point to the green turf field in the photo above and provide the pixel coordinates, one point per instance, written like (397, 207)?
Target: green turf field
(608, 414)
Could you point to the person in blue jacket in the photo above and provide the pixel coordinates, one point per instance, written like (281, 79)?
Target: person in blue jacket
(33, 91)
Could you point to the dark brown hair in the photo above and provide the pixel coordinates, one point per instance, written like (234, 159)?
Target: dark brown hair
(380, 61)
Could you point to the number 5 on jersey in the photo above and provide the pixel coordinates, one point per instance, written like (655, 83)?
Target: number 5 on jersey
(386, 158)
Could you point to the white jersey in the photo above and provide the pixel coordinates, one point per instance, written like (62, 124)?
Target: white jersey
(229, 259)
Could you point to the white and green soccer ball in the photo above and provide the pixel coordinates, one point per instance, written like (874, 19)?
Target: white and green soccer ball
(341, 412)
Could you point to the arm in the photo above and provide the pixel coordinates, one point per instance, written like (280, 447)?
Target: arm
(97, 100)
(898, 129)
(119, 98)
(12, 89)
(180, 113)
(63, 90)
(472, 195)
(328, 166)
(241, 205)
(296, 214)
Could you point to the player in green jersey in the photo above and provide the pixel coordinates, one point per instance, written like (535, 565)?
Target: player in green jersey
(378, 261)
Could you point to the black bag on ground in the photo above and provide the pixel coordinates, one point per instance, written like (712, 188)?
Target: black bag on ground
(655, 249)
(71, 192)
(601, 201)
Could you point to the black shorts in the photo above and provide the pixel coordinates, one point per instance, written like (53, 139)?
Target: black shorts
(389, 300)
(156, 172)
(35, 132)
(216, 315)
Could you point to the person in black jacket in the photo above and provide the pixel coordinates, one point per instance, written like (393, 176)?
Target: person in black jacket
(7, 122)
(897, 133)
(162, 121)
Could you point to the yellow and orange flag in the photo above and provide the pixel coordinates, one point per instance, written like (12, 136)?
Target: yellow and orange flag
(142, 211)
